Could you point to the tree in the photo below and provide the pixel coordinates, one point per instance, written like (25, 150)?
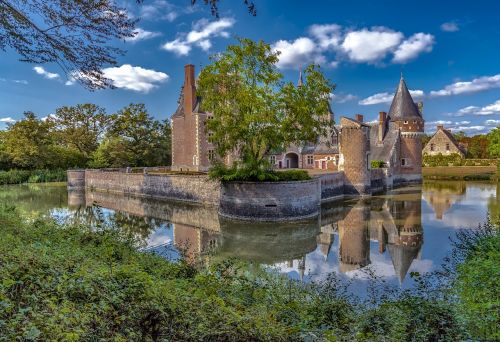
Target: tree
(136, 139)
(494, 142)
(74, 34)
(81, 127)
(28, 142)
(254, 111)
(477, 147)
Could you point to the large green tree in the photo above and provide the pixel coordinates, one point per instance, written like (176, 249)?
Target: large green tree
(81, 127)
(254, 110)
(494, 142)
(134, 138)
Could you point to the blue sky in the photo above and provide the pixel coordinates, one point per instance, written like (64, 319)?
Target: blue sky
(449, 52)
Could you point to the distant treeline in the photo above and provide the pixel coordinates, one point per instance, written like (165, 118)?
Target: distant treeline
(86, 136)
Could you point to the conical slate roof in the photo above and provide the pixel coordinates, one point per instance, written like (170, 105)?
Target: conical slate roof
(402, 258)
(402, 105)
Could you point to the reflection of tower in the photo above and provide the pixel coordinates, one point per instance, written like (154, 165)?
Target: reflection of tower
(354, 249)
(76, 199)
(325, 239)
(405, 245)
(302, 267)
(192, 241)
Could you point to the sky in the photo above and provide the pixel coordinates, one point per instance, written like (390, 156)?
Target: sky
(447, 51)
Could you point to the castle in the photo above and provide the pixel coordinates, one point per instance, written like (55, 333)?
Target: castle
(394, 141)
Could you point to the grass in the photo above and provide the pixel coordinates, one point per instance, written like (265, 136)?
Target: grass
(459, 172)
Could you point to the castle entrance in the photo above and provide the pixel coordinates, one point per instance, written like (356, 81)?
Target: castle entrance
(291, 161)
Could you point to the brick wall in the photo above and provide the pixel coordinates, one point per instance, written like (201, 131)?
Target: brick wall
(270, 200)
(332, 185)
(179, 187)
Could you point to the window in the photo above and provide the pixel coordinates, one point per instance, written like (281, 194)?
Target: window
(211, 154)
(432, 147)
(414, 121)
(310, 160)
(406, 122)
(272, 160)
(405, 162)
(210, 137)
(447, 146)
(336, 160)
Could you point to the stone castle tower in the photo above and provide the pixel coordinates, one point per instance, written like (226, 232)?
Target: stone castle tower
(406, 116)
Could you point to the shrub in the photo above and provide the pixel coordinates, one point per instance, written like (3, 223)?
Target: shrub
(377, 164)
(34, 176)
(235, 173)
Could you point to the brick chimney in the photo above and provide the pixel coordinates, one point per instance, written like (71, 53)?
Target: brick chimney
(189, 88)
(440, 127)
(382, 117)
(359, 117)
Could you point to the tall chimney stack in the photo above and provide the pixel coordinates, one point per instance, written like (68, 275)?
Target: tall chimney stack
(381, 125)
(359, 117)
(189, 88)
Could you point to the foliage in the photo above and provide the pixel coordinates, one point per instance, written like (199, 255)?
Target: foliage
(494, 142)
(73, 34)
(97, 286)
(441, 160)
(377, 164)
(85, 136)
(34, 176)
(254, 112)
(227, 174)
(477, 260)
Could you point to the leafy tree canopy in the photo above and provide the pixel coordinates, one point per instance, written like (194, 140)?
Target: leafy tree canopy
(254, 110)
(494, 142)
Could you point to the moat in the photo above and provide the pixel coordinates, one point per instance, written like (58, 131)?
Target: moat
(391, 234)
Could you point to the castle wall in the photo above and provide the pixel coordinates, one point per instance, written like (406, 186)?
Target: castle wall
(191, 188)
(332, 186)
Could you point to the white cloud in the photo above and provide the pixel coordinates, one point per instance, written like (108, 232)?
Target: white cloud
(370, 45)
(491, 109)
(492, 123)
(159, 10)
(7, 120)
(20, 81)
(328, 36)
(387, 97)
(343, 98)
(412, 47)
(49, 75)
(200, 35)
(457, 126)
(297, 53)
(476, 85)
(50, 116)
(135, 78)
(141, 34)
(449, 26)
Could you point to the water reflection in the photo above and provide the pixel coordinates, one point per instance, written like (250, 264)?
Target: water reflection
(385, 233)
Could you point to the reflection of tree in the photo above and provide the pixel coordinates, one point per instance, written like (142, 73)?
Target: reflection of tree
(494, 206)
(35, 198)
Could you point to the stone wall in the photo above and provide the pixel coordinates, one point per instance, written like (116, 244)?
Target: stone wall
(270, 200)
(192, 188)
(332, 186)
(76, 179)
(378, 179)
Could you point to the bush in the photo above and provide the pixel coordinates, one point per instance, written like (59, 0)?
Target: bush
(442, 160)
(35, 176)
(377, 164)
(234, 174)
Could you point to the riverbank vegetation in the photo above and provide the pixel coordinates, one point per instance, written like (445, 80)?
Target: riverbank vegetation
(85, 136)
(32, 176)
(484, 173)
(71, 282)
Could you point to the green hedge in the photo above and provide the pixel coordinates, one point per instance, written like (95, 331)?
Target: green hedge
(455, 160)
(32, 176)
(228, 174)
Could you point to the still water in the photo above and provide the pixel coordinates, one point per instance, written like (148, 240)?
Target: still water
(390, 235)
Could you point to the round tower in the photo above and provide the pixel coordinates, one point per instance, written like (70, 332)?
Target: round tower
(407, 117)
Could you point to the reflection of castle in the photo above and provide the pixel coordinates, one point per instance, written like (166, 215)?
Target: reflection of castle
(441, 196)
(394, 222)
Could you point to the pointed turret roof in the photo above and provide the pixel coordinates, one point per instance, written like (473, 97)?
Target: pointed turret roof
(301, 81)
(402, 105)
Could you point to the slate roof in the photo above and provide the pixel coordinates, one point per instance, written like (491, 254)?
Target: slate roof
(402, 258)
(402, 105)
(382, 151)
